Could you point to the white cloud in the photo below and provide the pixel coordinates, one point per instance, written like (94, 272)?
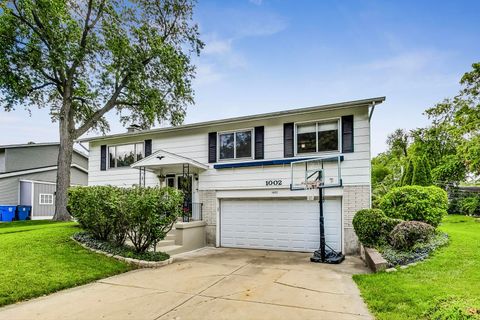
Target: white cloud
(217, 46)
(256, 2)
(207, 74)
(259, 24)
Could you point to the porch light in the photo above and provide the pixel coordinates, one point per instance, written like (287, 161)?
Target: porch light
(161, 178)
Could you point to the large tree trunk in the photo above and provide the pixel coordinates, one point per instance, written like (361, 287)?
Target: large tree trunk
(63, 172)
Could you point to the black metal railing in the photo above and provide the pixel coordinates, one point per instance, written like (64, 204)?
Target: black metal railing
(192, 211)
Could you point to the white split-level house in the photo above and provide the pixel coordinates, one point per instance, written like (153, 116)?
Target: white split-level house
(240, 173)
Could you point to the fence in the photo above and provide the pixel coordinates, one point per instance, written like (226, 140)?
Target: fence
(457, 193)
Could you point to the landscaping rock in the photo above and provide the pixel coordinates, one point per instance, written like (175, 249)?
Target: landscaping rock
(391, 270)
(135, 262)
(374, 260)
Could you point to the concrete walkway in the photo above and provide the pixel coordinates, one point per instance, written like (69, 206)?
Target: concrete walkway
(212, 284)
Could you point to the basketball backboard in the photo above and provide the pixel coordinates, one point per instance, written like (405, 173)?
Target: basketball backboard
(313, 173)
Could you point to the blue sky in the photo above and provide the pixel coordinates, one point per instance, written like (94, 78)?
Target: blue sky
(268, 55)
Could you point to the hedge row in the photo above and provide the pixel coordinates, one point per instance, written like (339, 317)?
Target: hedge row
(407, 215)
(143, 215)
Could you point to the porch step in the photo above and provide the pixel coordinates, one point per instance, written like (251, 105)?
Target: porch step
(170, 236)
(171, 250)
(166, 243)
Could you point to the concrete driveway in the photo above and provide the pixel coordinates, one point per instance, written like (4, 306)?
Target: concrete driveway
(212, 284)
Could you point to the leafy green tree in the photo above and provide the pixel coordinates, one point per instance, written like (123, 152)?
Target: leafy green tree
(461, 116)
(398, 143)
(407, 177)
(421, 172)
(82, 59)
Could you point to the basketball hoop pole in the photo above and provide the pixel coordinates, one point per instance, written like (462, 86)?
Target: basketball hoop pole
(322, 225)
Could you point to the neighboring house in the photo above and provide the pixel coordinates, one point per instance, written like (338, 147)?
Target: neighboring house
(239, 171)
(28, 173)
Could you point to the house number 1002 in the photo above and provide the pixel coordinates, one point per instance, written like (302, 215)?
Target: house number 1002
(273, 182)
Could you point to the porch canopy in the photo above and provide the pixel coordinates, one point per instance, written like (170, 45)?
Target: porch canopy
(165, 162)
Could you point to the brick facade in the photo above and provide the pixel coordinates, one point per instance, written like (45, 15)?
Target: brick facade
(354, 199)
(209, 212)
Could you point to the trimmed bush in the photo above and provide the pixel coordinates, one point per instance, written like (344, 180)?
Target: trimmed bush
(372, 226)
(144, 215)
(151, 213)
(470, 205)
(417, 203)
(420, 251)
(407, 233)
(96, 209)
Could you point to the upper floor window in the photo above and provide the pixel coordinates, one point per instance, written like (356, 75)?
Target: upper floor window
(235, 145)
(124, 155)
(317, 137)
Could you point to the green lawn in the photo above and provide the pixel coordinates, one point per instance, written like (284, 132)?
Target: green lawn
(453, 271)
(38, 257)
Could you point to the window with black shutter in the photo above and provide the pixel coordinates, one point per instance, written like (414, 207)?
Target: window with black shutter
(103, 158)
(347, 133)
(288, 141)
(259, 142)
(212, 147)
(148, 147)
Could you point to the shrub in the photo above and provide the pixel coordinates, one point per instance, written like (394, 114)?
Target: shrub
(419, 251)
(470, 205)
(422, 175)
(426, 204)
(151, 213)
(372, 226)
(408, 174)
(144, 215)
(407, 233)
(95, 208)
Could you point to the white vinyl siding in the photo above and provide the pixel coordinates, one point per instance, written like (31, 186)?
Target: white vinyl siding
(193, 143)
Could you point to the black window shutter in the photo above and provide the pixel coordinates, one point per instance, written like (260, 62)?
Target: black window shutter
(259, 138)
(288, 139)
(148, 147)
(212, 147)
(103, 157)
(347, 133)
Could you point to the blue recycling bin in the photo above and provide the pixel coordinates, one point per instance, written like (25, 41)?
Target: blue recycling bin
(23, 212)
(7, 213)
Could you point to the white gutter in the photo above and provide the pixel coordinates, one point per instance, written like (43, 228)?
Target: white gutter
(371, 111)
(28, 171)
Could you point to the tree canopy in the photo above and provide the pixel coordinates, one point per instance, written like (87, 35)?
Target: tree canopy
(445, 152)
(81, 59)
(133, 56)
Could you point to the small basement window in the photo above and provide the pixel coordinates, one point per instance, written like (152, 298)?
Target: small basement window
(317, 137)
(45, 198)
(235, 145)
(124, 155)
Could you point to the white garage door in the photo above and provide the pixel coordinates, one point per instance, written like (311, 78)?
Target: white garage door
(290, 225)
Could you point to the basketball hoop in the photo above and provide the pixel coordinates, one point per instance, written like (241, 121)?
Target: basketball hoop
(309, 185)
(318, 173)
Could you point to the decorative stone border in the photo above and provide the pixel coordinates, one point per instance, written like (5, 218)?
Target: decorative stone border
(373, 259)
(136, 262)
